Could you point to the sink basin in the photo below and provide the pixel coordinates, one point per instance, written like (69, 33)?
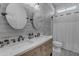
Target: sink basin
(36, 38)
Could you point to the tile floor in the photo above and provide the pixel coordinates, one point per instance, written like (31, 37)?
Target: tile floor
(65, 52)
(68, 53)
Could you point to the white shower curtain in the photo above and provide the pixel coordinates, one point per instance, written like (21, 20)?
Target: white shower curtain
(66, 30)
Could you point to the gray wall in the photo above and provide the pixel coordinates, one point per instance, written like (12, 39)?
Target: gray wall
(7, 31)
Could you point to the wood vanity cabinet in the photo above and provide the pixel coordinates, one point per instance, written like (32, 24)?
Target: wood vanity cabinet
(44, 49)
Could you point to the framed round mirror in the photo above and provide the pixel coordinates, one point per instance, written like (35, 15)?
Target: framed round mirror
(16, 15)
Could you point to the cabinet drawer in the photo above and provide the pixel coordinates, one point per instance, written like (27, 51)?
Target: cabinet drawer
(33, 52)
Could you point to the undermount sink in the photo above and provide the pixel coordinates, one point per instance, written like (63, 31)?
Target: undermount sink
(22, 43)
(36, 38)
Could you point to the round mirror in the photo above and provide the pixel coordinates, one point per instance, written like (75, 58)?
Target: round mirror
(46, 9)
(16, 15)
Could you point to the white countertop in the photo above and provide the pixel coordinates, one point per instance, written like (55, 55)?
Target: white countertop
(21, 47)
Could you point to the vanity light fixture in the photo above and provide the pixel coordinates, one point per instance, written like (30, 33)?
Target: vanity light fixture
(3, 14)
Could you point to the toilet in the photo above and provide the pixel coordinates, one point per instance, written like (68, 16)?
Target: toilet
(57, 48)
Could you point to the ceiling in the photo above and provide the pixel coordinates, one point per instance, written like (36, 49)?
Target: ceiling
(63, 5)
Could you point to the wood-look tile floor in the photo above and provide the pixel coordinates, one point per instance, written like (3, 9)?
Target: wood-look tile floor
(65, 52)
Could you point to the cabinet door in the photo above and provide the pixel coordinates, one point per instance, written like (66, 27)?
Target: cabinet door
(42, 50)
(33, 52)
(46, 49)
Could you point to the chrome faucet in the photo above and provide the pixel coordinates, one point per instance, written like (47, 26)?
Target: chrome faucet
(6, 41)
(20, 38)
(1, 44)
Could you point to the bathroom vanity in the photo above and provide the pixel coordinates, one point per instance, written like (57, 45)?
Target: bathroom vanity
(44, 49)
(20, 34)
(40, 46)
